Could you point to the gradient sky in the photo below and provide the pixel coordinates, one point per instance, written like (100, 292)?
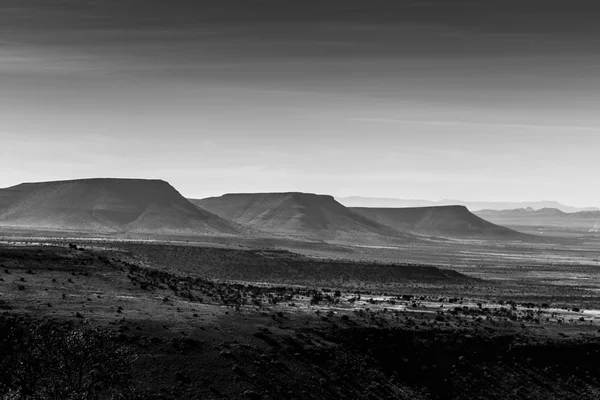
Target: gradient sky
(476, 100)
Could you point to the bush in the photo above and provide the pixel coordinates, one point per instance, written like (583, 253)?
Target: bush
(316, 298)
(41, 360)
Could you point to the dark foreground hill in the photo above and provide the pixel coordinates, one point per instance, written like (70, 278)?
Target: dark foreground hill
(108, 206)
(450, 221)
(300, 215)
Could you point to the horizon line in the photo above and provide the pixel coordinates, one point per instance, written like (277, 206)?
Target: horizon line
(193, 197)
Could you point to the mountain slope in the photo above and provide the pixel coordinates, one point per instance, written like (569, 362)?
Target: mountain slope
(545, 218)
(300, 214)
(453, 221)
(108, 206)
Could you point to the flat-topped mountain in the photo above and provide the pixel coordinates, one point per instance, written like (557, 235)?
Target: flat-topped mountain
(448, 221)
(300, 214)
(108, 206)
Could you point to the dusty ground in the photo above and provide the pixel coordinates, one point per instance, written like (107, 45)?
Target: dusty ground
(407, 332)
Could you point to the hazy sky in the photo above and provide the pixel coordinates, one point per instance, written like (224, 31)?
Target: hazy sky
(477, 100)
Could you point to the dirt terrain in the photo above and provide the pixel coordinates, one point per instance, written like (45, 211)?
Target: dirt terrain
(218, 322)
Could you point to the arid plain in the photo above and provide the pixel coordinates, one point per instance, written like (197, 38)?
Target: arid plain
(295, 296)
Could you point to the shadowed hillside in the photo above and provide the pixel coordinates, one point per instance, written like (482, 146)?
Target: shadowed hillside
(300, 214)
(455, 221)
(107, 206)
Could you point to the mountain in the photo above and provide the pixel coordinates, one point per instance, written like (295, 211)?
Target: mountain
(108, 206)
(300, 215)
(447, 221)
(374, 202)
(545, 219)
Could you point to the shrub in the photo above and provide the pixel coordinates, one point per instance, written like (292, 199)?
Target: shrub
(41, 360)
(316, 298)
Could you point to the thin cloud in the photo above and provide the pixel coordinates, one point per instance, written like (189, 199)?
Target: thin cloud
(471, 123)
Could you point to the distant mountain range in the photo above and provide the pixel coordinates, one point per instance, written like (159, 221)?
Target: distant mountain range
(545, 218)
(321, 216)
(153, 208)
(304, 215)
(356, 201)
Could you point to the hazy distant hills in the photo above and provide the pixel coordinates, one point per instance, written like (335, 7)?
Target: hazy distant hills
(108, 206)
(447, 221)
(373, 202)
(133, 207)
(300, 214)
(544, 219)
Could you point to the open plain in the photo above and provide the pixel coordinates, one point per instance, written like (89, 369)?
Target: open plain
(233, 319)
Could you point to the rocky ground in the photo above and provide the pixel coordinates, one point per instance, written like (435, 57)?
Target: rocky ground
(220, 324)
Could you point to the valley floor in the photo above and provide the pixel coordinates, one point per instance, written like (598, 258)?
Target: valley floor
(244, 321)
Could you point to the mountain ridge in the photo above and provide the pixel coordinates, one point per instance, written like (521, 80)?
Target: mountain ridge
(299, 214)
(446, 221)
(108, 206)
(580, 221)
(376, 202)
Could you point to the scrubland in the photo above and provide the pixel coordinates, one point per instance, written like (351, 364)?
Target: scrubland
(187, 321)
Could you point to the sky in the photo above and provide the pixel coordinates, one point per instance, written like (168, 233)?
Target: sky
(479, 100)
